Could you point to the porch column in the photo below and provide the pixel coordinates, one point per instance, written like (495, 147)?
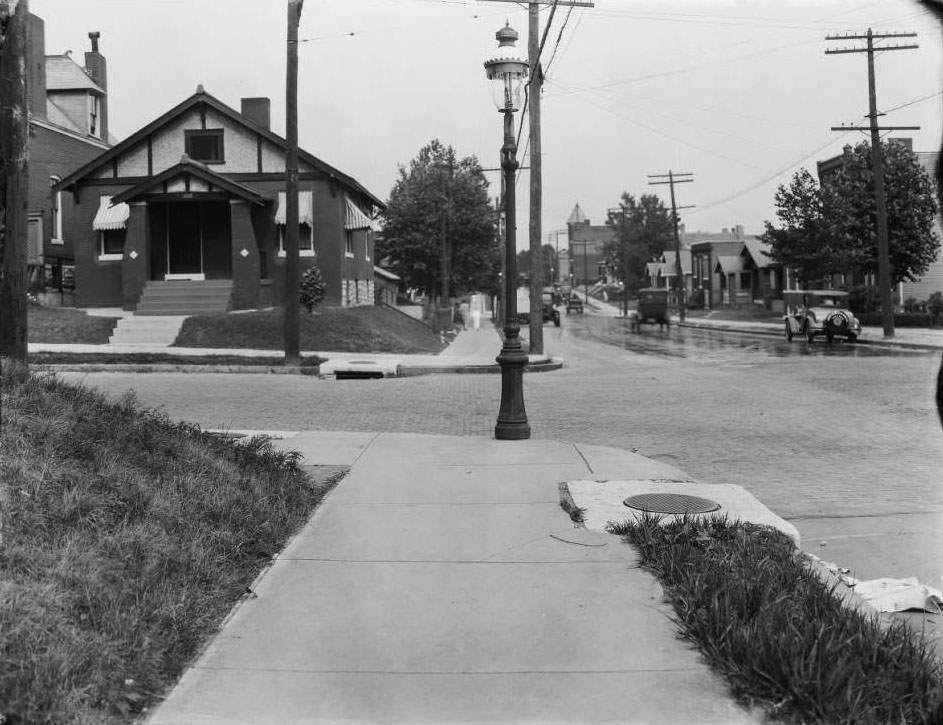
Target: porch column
(136, 256)
(245, 257)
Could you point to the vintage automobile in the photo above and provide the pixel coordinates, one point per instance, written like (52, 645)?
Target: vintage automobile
(812, 313)
(652, 309)
(574, 303)
(550, 313)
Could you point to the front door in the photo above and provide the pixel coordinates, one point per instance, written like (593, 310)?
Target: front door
(184, 242)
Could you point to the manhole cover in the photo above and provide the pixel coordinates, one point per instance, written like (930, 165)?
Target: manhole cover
(671, 503)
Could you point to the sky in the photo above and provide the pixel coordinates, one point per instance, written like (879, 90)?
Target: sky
(740, 93)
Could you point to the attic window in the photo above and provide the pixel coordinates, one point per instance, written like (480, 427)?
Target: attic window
(205, 145)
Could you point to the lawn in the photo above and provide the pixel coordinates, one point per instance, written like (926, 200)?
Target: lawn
(67, 325)
(127, 539)
(746, 597)
(335, 329)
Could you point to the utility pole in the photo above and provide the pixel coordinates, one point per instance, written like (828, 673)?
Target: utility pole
(292, 302)
(14, 157)
(679, 273)
(535, 83)
(877, 161)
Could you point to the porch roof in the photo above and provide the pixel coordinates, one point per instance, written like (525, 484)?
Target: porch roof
(110, 216)
(189, 167)
(729, 265)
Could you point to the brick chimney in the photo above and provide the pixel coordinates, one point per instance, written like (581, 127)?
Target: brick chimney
(97, 70)
(258, 110)
(36, 66)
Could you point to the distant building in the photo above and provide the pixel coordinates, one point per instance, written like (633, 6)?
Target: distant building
(68, 126)
(587, 243)
(188, 215)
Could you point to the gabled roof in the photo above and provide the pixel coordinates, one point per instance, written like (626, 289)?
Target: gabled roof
(759, 252)
(201, 97)
(188, 166)
(729, 265)
(64, 74)
(669, 259)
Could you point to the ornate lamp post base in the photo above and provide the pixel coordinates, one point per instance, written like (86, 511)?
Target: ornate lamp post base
(512, 422)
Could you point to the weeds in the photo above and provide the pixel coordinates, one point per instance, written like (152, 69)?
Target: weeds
(782, 638)
(127, 538)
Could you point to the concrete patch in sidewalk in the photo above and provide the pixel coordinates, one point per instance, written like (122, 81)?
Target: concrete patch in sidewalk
(602, 502)
(329, 448)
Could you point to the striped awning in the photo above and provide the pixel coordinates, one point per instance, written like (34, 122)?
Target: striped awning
(305, 208)
(110, 217)
(356, 219)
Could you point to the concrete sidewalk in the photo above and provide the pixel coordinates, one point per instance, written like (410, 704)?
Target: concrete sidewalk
(441, 581)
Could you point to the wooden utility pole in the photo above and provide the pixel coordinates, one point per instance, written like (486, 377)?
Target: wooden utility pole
(877, 162)
(14, 203)
(535, 84)
(292, 291)
(679, 272)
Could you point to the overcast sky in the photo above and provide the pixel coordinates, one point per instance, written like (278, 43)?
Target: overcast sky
(739, 93)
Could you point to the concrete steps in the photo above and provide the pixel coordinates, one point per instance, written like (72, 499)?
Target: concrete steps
(149, 330)
(184, 297)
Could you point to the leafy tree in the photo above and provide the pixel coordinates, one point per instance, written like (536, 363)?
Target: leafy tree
(440, 192)
(644, 228)
(832, 227)
(312, 287)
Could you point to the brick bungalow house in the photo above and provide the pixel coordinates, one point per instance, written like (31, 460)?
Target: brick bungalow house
(188, 215)
(735, 272)
(68, 126)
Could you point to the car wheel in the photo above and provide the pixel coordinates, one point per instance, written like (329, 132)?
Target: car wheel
(556, 321)
(809, 334)
(852, 338)
(788, 333)
(830, 337)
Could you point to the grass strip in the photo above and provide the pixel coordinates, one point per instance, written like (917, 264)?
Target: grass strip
(126, 540)
(746, 597)
(161, 358)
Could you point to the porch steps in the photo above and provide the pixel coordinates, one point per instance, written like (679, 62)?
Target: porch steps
(149, 331)
(184, 297)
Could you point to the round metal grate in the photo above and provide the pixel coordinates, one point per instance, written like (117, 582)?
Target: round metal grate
(671, 503)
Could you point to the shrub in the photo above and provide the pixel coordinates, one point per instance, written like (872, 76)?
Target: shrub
(312, 287)
(935, 306)
(901, 319)
(864, 298)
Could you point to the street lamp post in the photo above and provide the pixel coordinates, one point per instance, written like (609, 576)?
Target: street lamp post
(507, 75)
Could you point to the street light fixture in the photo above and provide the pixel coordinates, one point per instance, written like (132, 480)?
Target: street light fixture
(507, 73)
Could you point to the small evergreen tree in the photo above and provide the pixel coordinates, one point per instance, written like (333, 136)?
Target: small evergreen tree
(312, 287)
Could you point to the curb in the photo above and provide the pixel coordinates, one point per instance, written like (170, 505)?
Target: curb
(172, 368)
(408, 371)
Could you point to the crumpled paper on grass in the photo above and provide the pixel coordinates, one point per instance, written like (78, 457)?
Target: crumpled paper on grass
(899, 595)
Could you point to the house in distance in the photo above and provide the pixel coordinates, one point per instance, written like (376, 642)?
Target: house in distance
(187, 215)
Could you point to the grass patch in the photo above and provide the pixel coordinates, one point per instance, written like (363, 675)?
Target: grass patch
(338, 329)
(67, 325)
(161, 358)
(127, 538)
(780, 636)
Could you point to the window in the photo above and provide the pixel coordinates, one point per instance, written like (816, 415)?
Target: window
(348, 243)
(94, 114)
(205, 145)
(366, 247)
(305, 242)
(110, 244)
(56, 213)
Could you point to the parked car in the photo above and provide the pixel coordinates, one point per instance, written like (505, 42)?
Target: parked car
(652, 309)
(550, 313)
(574, 304)
(813, 313)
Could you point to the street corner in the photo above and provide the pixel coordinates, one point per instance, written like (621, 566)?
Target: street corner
(604, 502)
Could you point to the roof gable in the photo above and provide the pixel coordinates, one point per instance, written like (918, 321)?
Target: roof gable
(190, 168)
(203, 99)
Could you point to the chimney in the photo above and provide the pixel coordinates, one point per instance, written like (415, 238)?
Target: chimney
(97, 70)
(258, 110)
(738, 231)
(36, 65)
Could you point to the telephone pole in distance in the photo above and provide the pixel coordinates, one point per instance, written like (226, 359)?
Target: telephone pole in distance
(679, 273)
(877, 160)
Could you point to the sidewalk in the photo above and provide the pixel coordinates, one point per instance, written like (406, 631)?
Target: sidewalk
(441, 581)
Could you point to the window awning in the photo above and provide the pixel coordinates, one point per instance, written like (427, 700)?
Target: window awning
(110, 217)
(354, 218)
(305, 208)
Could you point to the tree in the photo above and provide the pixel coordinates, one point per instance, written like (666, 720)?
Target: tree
(644, 228)
(832, 227)
(312, 288)
(439, 193)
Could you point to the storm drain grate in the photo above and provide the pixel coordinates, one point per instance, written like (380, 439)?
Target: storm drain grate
(671, 503)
